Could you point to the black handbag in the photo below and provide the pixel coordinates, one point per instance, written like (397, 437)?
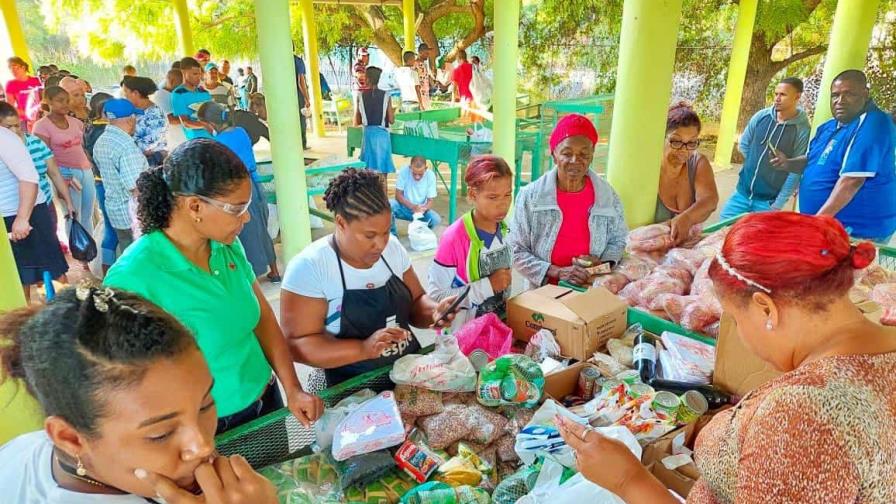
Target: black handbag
(80, 243)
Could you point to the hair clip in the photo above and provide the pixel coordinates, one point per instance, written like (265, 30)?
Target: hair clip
(102, 298)
(738, 275)
(825, 252)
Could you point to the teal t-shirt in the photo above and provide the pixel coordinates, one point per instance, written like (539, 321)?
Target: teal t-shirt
(218, 306)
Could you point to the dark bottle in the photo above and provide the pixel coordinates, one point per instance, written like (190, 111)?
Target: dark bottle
(644, 357)
(714, 396)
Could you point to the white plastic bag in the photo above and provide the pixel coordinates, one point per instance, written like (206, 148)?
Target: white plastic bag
(575, 490)
(326, 425)
(481, 88)
(544, 417)
(445, 369)
(421, 237)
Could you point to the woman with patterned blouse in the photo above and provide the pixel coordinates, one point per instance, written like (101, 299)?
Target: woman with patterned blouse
(151, 133)
(825, 430)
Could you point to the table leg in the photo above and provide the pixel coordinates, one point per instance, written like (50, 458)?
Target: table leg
(452, 193)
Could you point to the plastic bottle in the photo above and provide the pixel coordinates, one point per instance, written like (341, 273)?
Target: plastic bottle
(644, 357)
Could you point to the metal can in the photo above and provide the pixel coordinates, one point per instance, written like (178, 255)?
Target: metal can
(478, 358)
(693, 406)
(630, 377)
(666, 403)
(639, 390)
(588, 382)
(611, 385)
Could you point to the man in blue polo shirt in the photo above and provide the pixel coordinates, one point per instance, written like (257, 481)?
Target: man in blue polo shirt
(850, 170)
(186, 98)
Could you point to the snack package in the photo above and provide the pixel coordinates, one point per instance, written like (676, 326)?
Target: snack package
(373, 426)
(417, 401)
(442, 429)
(485, 333)
(511, 379)
(417, 461)
(364, 469)
(325, 426)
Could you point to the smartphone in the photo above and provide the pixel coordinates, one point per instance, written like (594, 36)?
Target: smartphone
(455, 304)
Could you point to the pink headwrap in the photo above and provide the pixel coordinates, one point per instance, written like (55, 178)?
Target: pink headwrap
(570, 126)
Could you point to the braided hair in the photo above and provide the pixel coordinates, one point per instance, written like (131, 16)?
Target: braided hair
(83, 344)
(355, 194)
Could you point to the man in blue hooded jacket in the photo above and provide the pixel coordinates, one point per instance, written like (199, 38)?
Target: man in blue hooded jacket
(782, 129)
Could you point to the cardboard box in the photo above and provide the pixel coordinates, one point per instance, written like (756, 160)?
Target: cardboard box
(582, 322)
(560, 384)
(738, 370)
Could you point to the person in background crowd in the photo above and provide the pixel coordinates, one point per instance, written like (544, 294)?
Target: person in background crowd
(254, 237)
(424, 74)
(20, 86)
(241, 88)
(782, 128)
(350, 298)
(415, 192)
(77, 97)
(569, 213)
(221, 92)
(258, 106)
(128, 71)
(43, 73)
(150, 132)
(304, 99)
(188, 95)
(203, 56)
(785, 279)
(373, 110)
(92, 132)
(42, 157)
(443, 77)
(54, 80)
(225, 72)
(120, 162)
(325, 92)
(849, 167)
(191, 210)
(473, 250)
(409, 83)
(462, 76)
(687, 193)
(64, 135)
(31, 234)
(163, 98)
(175, 65)
(251, 82)
(142, 385)
(359, 69)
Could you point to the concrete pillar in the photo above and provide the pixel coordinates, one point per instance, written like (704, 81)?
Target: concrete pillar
(312, 58)
(407, 11)
(850, 36)
(506, 58)
(275, 53)
(734, 87)
(643, 88)
(182, 24)
(14, 31)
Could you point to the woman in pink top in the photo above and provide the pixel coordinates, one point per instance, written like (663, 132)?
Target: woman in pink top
(63, 134)
(20, 86)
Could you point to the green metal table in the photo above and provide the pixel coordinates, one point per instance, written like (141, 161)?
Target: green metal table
(316, 185)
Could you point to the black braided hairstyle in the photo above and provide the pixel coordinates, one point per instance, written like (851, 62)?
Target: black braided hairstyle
(355, 194)
(72, 352)
(200, 166)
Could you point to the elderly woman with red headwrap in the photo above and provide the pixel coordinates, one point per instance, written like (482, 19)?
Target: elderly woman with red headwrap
(570, 217)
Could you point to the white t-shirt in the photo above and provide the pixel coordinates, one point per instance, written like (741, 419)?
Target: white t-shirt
(407, 80)
(315, 273)
(416, 191)
(26, 476)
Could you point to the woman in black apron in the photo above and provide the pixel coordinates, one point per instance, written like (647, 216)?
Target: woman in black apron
(358, 280)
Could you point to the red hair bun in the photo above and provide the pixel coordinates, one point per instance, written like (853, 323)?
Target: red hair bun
(863, 255)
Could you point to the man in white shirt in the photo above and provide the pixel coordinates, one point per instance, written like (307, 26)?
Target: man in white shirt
(408, 81)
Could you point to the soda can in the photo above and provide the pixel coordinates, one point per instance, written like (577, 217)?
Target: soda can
(588, 382)
(666, 403)
(630, 377)
(693, 406)
(640, 390)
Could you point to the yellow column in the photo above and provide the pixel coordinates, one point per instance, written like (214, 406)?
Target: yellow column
(506, 59)
(19, 412)
(182, 24)
(850, 36)
(407, 10)
(643, 88)
(278, 71)
(734, 87)
(14, 30)
(309, 32)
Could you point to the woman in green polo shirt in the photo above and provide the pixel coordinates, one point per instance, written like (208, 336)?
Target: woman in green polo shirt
(190, 262)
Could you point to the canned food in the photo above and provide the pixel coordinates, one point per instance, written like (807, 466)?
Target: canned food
(588, 382)
(693, 406)
(478, 358)
(630, 377)
(611, 386)
(640, 390)
(666, 403)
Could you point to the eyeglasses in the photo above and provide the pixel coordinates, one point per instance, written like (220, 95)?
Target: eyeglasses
(228, 208)
(678, 144)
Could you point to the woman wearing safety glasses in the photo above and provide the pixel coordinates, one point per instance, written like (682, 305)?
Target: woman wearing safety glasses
(687, 190)
(191, 263)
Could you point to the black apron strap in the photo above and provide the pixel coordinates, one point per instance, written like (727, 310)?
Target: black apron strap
(339, 262)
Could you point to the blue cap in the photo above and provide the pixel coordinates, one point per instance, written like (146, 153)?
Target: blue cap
(119, 108)
(210, 65)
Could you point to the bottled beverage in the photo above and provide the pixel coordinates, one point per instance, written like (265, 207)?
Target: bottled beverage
(644, 357)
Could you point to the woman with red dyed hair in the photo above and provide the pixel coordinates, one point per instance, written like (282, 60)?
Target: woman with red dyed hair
(825, 430)
(687, 193)
(473, 250)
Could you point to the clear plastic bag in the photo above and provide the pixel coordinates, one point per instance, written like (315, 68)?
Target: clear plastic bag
(373, 426)
(325, 427)
(487, 425)
(687, 259)
(885, 296)
(417, 401)
(421, 237)
(445, 369)
(447, 427)
(542, 345)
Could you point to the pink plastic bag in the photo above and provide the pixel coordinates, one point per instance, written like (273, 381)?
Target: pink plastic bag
(487, 333)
